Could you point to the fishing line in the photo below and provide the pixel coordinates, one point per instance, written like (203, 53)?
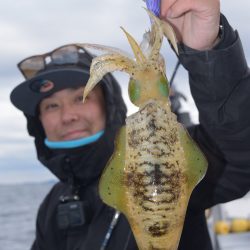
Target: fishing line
(110, 230)
(174, 73)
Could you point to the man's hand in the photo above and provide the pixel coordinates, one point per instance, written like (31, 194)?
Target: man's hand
(196, 22)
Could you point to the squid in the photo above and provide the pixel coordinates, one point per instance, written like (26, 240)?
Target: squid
(155, 165)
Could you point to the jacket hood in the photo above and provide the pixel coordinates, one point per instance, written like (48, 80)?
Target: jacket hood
(85, 163)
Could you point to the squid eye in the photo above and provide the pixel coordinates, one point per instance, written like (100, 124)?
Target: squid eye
(163, 86)
(134, 90)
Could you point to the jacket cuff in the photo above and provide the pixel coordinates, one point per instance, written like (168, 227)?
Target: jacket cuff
(227, 34)
(227, 38)
(222, 60)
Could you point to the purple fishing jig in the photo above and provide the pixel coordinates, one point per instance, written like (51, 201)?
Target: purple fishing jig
(154, 6)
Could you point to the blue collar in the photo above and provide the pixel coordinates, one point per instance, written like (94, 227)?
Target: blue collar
(73, 143)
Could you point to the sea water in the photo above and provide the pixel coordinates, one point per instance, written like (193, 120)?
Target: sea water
(18, 209)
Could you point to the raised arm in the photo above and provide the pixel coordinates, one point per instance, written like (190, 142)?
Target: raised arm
(220, 85)
(196, 22)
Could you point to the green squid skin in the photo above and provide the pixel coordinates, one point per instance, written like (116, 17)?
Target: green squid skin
(112, 180)
(163, 86)
(153, 193)
(155, 164)
(134, 90)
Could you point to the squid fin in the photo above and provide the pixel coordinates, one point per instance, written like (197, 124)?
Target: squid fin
(196, 161)
(111, 185)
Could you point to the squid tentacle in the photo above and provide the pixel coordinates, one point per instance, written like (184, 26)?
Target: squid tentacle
(170, 34)
(156, 37)
(140, 58)
(104, 48)
(104, 64)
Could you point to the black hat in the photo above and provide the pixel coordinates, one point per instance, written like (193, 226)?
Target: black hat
(27, 95)
(50, 79)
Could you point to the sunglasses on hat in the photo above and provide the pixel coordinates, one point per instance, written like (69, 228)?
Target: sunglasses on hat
(67, 54)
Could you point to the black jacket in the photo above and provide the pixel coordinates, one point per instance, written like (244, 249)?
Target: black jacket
(220, 85)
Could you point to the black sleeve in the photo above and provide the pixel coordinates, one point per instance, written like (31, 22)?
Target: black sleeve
(220, 85)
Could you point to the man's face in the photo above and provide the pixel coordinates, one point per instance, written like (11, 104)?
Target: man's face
(65, 117)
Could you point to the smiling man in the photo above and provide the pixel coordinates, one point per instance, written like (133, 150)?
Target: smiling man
(74, 140)
(65, 117)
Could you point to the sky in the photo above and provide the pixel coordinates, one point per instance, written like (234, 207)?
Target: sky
(30, 27)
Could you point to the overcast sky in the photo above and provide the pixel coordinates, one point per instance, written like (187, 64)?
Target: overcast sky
(30, 27)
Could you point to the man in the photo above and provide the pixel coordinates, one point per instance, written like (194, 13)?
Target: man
(75, 140)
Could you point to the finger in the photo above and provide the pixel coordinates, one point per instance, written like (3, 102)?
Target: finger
(165, 6)
(180, 7)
